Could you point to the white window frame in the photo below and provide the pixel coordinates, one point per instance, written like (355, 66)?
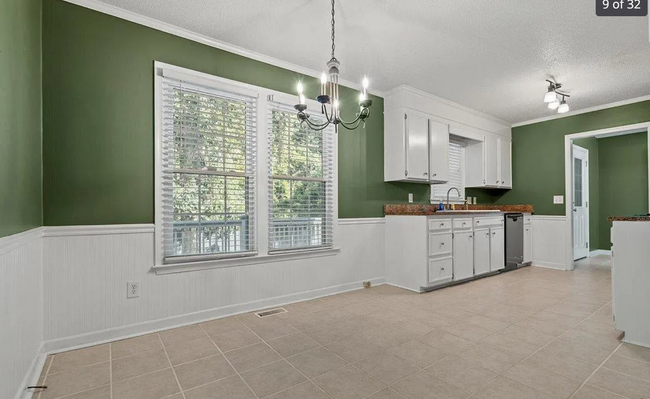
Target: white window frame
(453, 199)
(262, 212)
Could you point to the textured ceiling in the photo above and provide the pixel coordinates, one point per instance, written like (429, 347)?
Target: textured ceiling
(490, 55)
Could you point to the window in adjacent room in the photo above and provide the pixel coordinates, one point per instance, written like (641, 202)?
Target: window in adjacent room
(456, 173)
(300, 174)
(208, 156)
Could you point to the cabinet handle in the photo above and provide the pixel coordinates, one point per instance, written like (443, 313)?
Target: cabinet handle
(497, 182)
(425, 173)
(442, 268)
(442, 243)
(435, 174)
(503, 182)
(494, 233)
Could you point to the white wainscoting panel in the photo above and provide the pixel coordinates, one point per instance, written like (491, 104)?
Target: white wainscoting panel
(549, 241)
(85, 283)
(21, 311)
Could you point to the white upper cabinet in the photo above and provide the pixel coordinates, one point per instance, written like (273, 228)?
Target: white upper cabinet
(492, 177)
(489, 163)
(438, 152)
(417, 126)
(415, 147)
(505, 162)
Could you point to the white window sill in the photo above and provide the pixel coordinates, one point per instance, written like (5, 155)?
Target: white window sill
(244, 261)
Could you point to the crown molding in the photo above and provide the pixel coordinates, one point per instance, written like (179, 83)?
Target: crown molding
(425, 94)
(140, 19)
(583, 111)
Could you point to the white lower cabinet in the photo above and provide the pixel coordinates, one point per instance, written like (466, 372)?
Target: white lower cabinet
(463, 255)
(428, 251)
(481, 251)
(497, 249)
(440, 270)
(528, 243)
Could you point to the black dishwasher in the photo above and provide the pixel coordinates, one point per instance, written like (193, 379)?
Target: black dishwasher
(514, 223)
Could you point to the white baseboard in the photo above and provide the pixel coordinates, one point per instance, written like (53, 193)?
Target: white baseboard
(599, 252)
(32, 375)
(549, 265)
(133, 330)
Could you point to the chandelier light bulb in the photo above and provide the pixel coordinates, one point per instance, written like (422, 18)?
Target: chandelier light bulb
(365, 82)
(299, 88)
(362, 97)
(563, 108)
(554, 105)
(323, 78)
(302, 98)
(550, 96)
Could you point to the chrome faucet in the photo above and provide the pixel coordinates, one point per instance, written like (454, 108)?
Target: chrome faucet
(449, 191)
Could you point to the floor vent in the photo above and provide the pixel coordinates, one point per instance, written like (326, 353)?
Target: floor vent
(270, 312)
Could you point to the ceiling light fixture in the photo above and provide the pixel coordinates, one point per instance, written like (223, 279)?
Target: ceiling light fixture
(552, 99)
(564, 107)
(329, 97)
(550, 95)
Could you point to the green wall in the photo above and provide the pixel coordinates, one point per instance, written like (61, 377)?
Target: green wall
(623, 172)
(98, 119)
(592, 145)
(538, 154)
(20, 116)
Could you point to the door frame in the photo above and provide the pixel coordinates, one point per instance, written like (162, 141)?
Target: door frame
(568, 176)
(585, 189)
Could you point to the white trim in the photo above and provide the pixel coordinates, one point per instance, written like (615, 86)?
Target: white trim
(244, 261)
(557, 218)
(208, 41)
(9, 243)
(109, 229)
(622, 133)
(583, 154)
(112, 334)
(583, 111)
(355, 221)
(447, 102)
(599, 252)
(32, 375)
(549, 265)
(568, 175)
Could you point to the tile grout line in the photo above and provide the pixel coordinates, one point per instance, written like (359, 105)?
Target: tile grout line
(180, 388)
(222, 355)
(594, 372)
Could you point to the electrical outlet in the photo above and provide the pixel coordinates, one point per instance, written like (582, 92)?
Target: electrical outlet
(133, 289)
(558, 199)
(410, 198)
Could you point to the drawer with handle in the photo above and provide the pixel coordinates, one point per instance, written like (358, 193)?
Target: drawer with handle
(528, 218)
(440, 270)
(440, 244)
(488, 222)
(462, 224)
(439, 224)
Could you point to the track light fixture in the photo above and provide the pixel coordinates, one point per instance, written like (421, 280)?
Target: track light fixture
(552, 98)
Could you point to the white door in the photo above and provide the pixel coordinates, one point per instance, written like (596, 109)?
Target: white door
(463, 255)
(528, 243)
(580, 202)
(438, 152)
(417, 149)
(481, 251)
(491, 161)
(505, 165)
(497, 249)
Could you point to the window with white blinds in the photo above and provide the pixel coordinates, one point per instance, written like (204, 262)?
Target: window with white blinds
(300, 173)
(456, 173)
(208, 165)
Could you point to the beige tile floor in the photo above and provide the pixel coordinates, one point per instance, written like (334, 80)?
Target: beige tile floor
(531, 333)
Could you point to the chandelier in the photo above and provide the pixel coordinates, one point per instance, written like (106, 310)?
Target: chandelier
(329, 97)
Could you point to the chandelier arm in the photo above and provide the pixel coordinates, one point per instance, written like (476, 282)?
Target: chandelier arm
(351, 125)
(316, 127)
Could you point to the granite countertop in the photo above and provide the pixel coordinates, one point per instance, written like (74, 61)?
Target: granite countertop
(635, 218)
(423, 210)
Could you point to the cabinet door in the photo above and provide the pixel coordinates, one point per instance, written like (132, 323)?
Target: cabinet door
(439, 244)
(417, 147)
(440, 270)
(497, 249)
(481, 251)
(505, 162)
(463, 255)
(528, 243)
(438, 152)
(492, 161)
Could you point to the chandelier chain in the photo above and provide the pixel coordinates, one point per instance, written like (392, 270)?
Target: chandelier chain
(333, 46)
